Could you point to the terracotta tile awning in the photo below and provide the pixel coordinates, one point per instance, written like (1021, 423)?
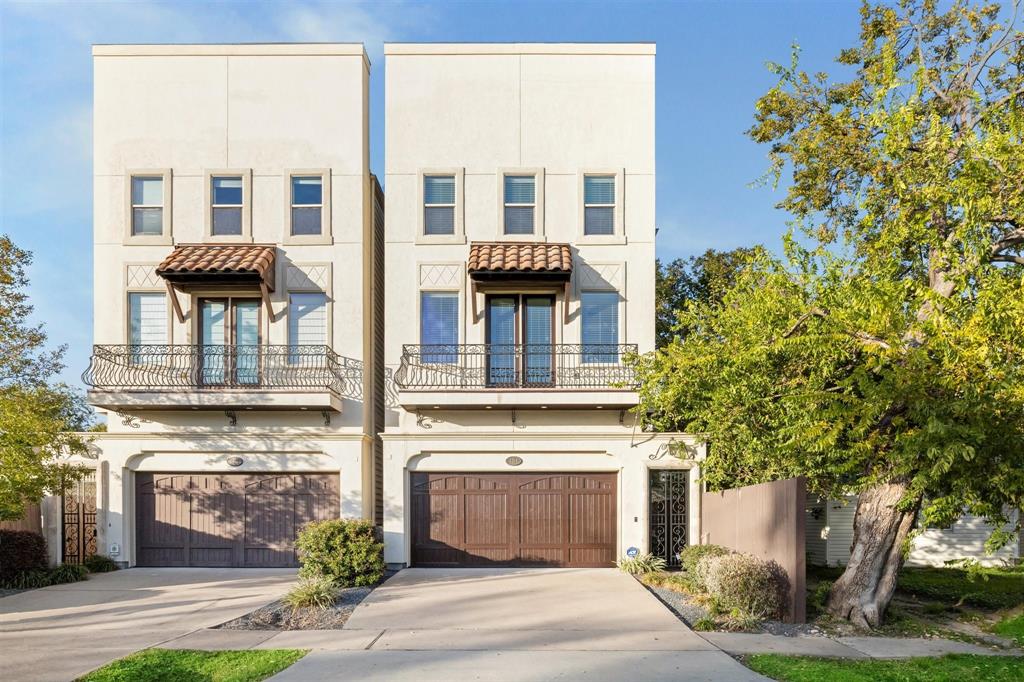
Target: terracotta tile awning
(224, 263)
(519, 259)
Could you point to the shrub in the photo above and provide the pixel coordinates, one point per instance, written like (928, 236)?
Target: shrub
(641, 564)
(29, 580)
(704, 624)
(20, 551)
(98, 563)
(345, 552)
(756, 587)
(819, 598)
(317, 593)
(691, 555)
(68, 573)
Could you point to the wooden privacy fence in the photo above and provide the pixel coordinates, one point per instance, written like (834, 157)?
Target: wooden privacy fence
(766, 520)
(32, 520)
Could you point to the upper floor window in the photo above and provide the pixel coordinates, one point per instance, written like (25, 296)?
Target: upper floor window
(520, 204)
(147, 318)
(307, 319)
(226, 204)
(439, 325)
(600, 326)
(307, 203)
(599, 204)
(147, 205)
(439, 204)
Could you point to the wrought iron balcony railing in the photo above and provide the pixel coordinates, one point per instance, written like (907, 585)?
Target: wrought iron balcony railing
(507, 366)
(211, 368)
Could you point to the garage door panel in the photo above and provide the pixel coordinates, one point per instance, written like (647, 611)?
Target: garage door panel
(238, 520)
(544, 519)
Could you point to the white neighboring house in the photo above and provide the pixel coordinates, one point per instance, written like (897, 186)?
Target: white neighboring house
(520, 274)
(237, 235)
(829, 535)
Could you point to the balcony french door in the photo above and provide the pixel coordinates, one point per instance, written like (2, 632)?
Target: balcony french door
(229, 337)
(526, 320)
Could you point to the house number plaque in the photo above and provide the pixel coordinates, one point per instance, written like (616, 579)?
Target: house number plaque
(513, 461)
(235, 461)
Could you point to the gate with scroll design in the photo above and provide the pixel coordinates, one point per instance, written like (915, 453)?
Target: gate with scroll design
(79, 514)
(668, 513)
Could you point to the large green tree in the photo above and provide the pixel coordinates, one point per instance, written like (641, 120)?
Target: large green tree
(37, 416)
(884, 353)
(698, 278)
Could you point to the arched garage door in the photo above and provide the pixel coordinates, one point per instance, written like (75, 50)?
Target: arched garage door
(521, 519)
(228, 520)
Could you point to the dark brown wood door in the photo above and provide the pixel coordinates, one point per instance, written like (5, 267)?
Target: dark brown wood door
(231, 520)
(521, 519)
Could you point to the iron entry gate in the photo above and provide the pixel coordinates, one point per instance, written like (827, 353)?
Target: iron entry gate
(668, 513)
(78, 510)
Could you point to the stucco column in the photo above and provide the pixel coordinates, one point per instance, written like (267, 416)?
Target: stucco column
(395, 540)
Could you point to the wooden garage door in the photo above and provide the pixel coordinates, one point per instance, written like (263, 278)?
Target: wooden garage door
(239, 520)
(539, 519)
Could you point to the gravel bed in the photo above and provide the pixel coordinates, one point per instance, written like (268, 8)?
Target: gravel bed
(279, 616)
(6, 592)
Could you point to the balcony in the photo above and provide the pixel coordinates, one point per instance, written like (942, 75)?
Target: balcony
(565, 376)
(179, 377)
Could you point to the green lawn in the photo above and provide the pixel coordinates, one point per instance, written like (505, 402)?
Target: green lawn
(1012, 628)
(952, 668)
(1003, 588)
(183, 665)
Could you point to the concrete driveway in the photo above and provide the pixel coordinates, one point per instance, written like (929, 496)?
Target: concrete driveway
(58, 633)
(513, 624)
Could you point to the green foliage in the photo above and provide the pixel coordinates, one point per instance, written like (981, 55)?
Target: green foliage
(752, 587)
(37, 417)
(704, 624)
(691, 555)
(319, 593)
(1002, 589)
(641, 564)
(68, 573)
(884, 346)
(1011, 627)
(703, 278)
(954, 667)
(20, 551)
(818, 598)
(99, 563)
(346, 552)
(164, 665)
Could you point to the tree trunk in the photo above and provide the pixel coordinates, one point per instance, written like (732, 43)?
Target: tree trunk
(862, 593)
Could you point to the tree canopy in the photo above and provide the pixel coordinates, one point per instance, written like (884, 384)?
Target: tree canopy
(882, 354)
(37, 417)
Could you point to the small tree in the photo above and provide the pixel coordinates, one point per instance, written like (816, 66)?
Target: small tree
(698, 278)
(883, 354)
(37, 418)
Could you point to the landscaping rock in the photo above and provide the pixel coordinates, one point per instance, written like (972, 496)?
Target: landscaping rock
(279, 616)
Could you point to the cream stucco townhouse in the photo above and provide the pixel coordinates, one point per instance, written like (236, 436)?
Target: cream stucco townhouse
(519, 245)
(237, 300)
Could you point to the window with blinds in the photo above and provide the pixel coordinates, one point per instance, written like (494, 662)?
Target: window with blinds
(147, 319)
(439, 204)
(307, 194)
(439, 326)
(147, 205)
(600, 326)
(598, 204)
(307, 319)
(520, 203)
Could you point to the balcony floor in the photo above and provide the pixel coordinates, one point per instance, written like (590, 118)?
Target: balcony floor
(522, 398)
(226, 399)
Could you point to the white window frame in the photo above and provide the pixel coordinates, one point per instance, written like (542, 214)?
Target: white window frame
(459, 235)
(164, 238)
(538, 210)
(618, 235)
(246, 175)
(620, 313)
(310, 288)
(128, 312)
(325, 236)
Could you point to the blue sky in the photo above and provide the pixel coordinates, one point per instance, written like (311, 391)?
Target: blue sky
(710, 71)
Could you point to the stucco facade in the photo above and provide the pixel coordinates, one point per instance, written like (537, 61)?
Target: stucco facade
(555, 114)
(259, 116)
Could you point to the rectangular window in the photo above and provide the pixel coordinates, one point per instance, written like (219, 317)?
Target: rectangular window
(520, 203)
(226, 199)
(439, 204)
(598, 204)
(600, 322)
(307, 205)
(307, 319)
(147, 319)
(439, 326)
(147, 205)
